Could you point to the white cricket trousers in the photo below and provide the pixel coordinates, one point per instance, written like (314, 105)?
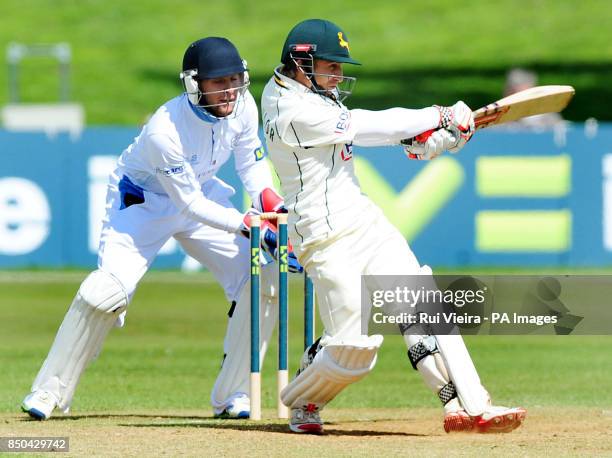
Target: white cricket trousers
(130, 240)
(373, 246)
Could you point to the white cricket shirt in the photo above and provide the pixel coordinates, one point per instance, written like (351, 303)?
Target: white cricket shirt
(179, 149)
(310, 138)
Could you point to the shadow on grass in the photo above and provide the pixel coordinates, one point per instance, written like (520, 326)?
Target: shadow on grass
(208, 422)
(124, 415)
(268, 427)
(476, 85)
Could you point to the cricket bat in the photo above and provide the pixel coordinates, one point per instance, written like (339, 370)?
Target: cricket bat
(530, 102)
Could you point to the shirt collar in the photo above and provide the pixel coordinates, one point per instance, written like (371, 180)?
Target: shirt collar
(201, 113)
(288, 83)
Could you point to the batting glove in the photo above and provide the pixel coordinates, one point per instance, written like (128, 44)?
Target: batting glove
(460, 124)
(438, 142)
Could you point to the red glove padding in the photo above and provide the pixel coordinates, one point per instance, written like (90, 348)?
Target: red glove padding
(271, 201)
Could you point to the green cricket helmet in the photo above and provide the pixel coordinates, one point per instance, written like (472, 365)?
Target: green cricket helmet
(321, 39)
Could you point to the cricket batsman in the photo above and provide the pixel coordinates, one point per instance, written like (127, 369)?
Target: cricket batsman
(339, 234)
(164, 186)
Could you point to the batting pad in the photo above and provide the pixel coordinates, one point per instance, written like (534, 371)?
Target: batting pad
(473, 396)
(333, 368)
(92, 314)
(430, 364)
(235, 370)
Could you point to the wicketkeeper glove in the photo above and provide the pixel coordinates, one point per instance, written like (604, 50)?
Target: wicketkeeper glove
(270, 201)
(269, 240)
(245, 227)
(270, 244)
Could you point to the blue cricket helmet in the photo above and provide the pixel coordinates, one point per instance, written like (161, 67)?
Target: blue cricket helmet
(207, 58)
(213, 57)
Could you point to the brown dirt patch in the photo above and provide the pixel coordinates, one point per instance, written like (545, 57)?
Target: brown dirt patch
(357, 432)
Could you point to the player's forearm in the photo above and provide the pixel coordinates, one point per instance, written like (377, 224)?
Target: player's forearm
(255, 178)
(389, 127)
(212, 214)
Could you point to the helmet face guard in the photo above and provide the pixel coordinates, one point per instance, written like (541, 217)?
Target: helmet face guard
(200, 99)
(303, 56)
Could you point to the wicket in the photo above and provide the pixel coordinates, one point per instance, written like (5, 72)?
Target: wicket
(283, 319)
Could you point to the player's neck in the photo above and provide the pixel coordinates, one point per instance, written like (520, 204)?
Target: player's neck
(301, 78)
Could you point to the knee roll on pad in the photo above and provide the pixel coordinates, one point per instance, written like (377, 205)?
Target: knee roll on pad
(104, 292)
(333, 368)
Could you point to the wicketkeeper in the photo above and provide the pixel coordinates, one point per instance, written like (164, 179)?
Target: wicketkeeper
(339, 234)
(164, 186)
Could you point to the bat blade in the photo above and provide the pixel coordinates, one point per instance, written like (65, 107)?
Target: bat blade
(530, 102)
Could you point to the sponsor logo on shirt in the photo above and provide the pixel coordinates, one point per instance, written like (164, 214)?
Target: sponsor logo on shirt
(170, 170)
(347, 152)
(343, 122)
(259, 153)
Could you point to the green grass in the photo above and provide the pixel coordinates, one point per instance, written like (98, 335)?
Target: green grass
(168, 355)
(127, 55)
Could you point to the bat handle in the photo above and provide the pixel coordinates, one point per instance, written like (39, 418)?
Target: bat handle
(421, 138)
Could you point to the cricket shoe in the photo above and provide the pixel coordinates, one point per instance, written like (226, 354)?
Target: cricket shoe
(238, 407)
(495, 419)
(306, 419)
(39, 404)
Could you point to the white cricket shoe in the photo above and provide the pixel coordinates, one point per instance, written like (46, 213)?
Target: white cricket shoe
(306, 419)
(496, 419)
(39, 404)
(237, 407)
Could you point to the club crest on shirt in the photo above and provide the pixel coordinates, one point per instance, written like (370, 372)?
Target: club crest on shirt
(347, 152)
(259, 153)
